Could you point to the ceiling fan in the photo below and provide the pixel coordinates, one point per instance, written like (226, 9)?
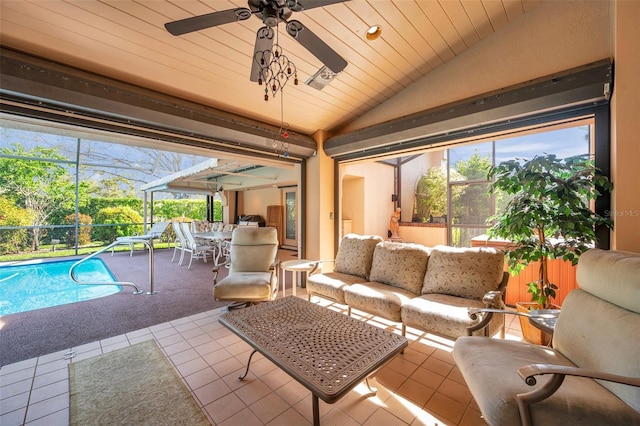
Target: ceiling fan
(271, 12)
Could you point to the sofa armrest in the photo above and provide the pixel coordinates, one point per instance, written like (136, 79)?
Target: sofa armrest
(317, 266)
(494, 304)
(487, 314)
(558, 372)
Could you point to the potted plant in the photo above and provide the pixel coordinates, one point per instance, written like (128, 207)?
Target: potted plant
(547, 214)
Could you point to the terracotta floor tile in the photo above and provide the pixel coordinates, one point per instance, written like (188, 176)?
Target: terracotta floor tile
(269, 407)
(455, 391)
(415, 392)
(419, 387)
(442, 405)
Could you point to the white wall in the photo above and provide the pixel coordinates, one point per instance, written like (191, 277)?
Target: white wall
(256, 201)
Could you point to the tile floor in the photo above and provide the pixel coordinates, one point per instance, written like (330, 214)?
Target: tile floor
(422, 386)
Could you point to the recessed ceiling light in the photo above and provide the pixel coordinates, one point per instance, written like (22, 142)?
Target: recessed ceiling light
(373, 32)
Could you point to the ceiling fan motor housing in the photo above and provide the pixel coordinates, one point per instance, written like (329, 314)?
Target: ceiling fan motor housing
(270, 11)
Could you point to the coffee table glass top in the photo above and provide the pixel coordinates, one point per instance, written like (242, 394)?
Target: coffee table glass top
(326, 351)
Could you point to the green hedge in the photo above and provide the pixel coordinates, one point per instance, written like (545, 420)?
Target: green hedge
(121, 218)
(169, 209)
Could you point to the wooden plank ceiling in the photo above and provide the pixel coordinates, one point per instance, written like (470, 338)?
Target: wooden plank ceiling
(126, 40)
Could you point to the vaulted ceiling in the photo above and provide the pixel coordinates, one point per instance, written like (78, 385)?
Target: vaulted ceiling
(127, 41)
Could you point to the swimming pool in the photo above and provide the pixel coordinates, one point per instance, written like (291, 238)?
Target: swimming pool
(31, 286)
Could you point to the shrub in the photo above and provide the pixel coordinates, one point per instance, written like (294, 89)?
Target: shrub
(84, 232)
(124, 221)
(13, 240)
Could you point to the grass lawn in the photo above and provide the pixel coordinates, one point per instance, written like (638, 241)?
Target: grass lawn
(61, 250)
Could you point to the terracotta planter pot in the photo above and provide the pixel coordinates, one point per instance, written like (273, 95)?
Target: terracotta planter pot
(530, 333)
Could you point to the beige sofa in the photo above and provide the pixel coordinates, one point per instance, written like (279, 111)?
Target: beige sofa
(597, 336)
(431, 289)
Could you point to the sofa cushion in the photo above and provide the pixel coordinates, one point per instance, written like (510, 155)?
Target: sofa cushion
(331, 284)
(400, 265)
(444, 314)
(355, 254)
(246, 286)
(378, 299)
(463, 272)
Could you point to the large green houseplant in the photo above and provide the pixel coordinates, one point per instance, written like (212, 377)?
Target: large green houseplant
(547, 215)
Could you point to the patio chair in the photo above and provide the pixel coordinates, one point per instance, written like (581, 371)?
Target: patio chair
(591, 375)
(179, 243)
(154, 233)
(253, 271)
(197, 249)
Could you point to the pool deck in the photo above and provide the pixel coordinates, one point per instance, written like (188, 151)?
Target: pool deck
(181, 292)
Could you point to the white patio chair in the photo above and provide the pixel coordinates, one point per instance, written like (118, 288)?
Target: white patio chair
(197, 250)
(154, 233)
(179, 243)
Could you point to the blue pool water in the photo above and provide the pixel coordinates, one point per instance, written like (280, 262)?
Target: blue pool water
(31, 286)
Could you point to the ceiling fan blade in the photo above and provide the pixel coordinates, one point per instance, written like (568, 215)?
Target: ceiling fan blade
(264, 41)
(315, 45)
(300, 5)
(196, 23)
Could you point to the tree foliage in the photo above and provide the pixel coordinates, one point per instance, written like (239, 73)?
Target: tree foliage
(39, 186)
(431, 194)
(12, 240)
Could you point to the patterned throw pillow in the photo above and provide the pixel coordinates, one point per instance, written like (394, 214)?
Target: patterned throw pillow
(463, 272)
(355, 254)
(400, 265)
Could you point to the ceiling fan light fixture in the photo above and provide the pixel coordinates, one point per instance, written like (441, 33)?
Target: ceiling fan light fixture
(374, 32)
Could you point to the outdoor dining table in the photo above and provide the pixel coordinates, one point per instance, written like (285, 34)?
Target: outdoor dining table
(217, 237)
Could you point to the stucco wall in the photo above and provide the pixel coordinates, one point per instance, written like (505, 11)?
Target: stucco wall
(625, 126)
(377, 204)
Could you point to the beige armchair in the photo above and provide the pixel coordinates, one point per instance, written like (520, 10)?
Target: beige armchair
(591, 376)
(252, 267)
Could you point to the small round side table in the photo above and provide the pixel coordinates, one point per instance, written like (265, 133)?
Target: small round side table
(295, 266)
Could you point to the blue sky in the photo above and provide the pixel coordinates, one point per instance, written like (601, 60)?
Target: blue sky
(563, 142)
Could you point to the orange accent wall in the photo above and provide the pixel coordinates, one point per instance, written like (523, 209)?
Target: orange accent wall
(561, 273)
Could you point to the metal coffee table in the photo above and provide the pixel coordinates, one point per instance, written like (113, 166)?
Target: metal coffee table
(328, 352)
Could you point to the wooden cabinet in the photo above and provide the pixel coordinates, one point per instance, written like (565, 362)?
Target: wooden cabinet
(274, 219)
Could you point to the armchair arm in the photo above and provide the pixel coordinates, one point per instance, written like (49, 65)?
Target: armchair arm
(216, 269)
(473, 313)
(529, 372)
(559, 372)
